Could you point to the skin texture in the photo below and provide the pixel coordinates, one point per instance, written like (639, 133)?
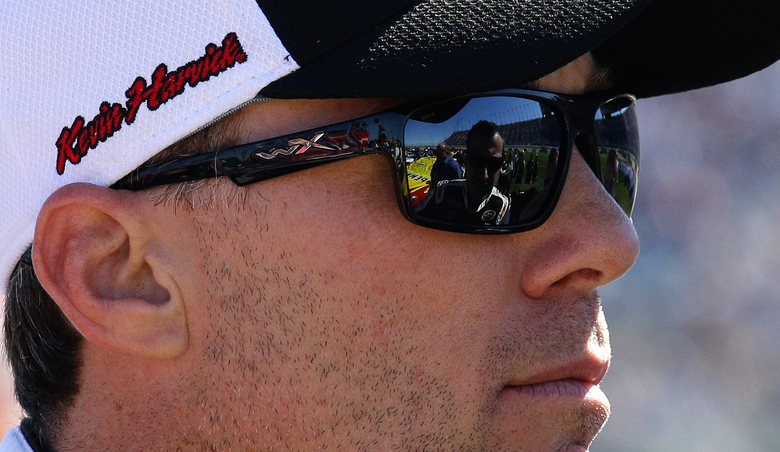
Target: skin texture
(305, 313)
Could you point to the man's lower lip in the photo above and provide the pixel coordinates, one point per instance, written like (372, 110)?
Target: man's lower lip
(568, 388)
(573, 448)
(558, 399)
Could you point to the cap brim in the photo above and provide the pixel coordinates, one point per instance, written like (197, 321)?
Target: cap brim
(448, 48)
(438, 48)
(678, 45)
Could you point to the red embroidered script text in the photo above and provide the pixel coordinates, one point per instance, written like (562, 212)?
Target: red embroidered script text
(75, 141)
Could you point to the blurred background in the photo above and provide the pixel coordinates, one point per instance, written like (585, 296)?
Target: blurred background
(695, 324)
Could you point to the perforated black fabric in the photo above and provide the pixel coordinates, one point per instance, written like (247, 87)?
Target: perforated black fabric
(439, 47)
(447, 47)
(311, 28)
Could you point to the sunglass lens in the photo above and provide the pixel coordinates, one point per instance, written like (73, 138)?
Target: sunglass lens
(618, 145)
(486, 161)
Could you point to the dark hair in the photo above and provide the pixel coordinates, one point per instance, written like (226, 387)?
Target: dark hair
(482, 128)
(43, 351)
(41, 344)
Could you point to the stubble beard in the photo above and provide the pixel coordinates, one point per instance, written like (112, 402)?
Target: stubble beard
(279, 383)
(286, 366)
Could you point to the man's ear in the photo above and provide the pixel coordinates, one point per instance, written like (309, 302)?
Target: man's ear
(95, 256)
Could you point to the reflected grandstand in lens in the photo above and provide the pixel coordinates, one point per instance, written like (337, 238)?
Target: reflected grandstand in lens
(533, 136)
(528, 145)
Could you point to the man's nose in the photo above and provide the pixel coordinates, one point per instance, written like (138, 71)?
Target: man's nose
(587, 242)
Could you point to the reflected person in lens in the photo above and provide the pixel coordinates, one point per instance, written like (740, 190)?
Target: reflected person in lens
(475, 197)
(445, 167)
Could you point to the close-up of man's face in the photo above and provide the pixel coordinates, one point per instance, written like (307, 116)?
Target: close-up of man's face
(228, 231)
(314, 303)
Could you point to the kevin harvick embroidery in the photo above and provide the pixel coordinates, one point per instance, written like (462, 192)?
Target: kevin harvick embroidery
(75, 141)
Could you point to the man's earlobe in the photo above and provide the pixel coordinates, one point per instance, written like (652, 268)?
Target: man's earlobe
(99, 262)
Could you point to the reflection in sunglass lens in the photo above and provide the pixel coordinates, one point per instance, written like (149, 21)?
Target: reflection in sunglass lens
(515, 139)
(492, 164)
(498, 162)
(618, 145)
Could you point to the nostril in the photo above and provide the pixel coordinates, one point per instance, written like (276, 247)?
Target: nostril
(589, 276)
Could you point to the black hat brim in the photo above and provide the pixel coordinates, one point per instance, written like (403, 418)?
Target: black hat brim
(444, 47)
(679, 45)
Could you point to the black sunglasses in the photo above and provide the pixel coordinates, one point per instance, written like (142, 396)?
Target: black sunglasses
(492, 164)
(533, 131)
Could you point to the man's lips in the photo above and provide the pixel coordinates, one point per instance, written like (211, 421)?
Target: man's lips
(556, 388)
(571, 379)
(565, 392)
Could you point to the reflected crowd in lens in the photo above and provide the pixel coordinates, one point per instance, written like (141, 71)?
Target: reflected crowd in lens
(496, 164)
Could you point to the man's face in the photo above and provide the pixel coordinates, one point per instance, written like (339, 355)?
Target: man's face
(321, 319)
(440, 152)
(484, 154)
